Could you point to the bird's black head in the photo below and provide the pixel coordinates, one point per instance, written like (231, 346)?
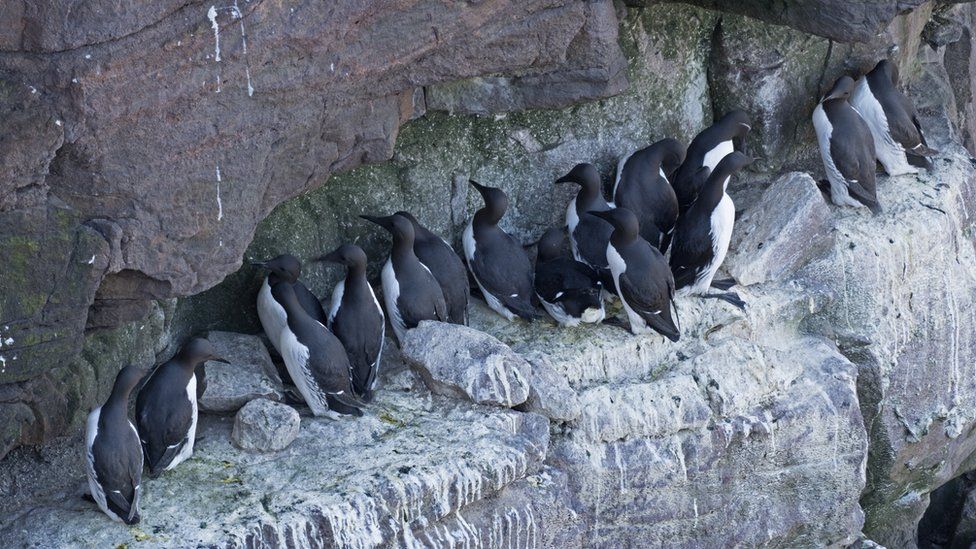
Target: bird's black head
(737, 122)
(400, 227)
(584, 175)
(126, 380)
(551, 244)
(888, 69)
(496, 202)
(350, 255)
(625, 223)
(842, 89)
(672, 154)
(199, 350)
(286, 266)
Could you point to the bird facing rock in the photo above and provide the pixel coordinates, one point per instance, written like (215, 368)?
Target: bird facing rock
(113, 453)
(498, 262)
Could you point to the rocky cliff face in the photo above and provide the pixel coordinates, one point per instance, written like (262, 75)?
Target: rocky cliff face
(140, 157)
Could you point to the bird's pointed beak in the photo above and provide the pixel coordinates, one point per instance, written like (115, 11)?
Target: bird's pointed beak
(384, 222)
(216, 358)
(331, 257)
(566, 179)
(259, 263)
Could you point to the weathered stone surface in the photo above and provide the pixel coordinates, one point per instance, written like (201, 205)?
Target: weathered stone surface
(788, 227)
(463, 362)
(263, 425)
(404, 471)
(549, 392)
(140, 151)
(839, 20)
(250, 374)
(900, 296)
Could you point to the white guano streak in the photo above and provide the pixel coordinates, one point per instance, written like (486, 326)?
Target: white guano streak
(212, 16)
(220, 205)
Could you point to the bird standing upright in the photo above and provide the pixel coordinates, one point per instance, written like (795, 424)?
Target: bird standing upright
(707, 149)
(703, 233)
(113, 454)
(642, 187)
(641, 275)
(285, 268)
(315, 359)
(166, 407)
(498, 262)
(847, 148)
(410, 291)
(434, 252)
(892, 120)
(356, 318)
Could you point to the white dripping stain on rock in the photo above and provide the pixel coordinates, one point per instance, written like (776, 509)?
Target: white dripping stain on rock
(212, 16)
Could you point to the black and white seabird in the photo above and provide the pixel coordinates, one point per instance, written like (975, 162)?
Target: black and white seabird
(315, 359)
(891, 116)
(446, 266)
(642, 187)
(588, 235)
(356, 318)
(285, 268)
(569, 290)
(113, 455)
(707, 149)
(498, 262)
(410, 291)
(703, 233)
(847, 148)
(641, 275)
(166, 407)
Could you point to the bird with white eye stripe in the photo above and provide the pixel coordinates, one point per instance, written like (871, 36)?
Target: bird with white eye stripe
(166, 407)
(356, 318)
(410, 291)
(707, 149)
(498, 262)
(846, 148)
(113, 454)
(570, 291)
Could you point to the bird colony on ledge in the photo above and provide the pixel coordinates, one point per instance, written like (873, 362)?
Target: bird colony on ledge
(664, 198)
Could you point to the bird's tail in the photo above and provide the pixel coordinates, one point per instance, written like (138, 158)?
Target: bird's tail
(344, 405)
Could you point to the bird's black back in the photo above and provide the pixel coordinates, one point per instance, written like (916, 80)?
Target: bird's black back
(449, 271)
(359, 326)
(164, 412)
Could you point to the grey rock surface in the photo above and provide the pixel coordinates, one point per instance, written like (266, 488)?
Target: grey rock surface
(459, 361)
(397, 474)
(788, 227)
(250, 374)
(263, 425)
(549, 392)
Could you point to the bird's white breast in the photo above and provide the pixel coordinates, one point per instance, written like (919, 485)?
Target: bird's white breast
(391, 291)
(296, 357)
(889, 152)
(336, 302)
(272, 314)
(718, 152)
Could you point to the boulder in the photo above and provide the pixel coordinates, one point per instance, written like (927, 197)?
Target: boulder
(263, 425)
(250, 374)
(463, 362)
(549, 393)
(789, 226)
